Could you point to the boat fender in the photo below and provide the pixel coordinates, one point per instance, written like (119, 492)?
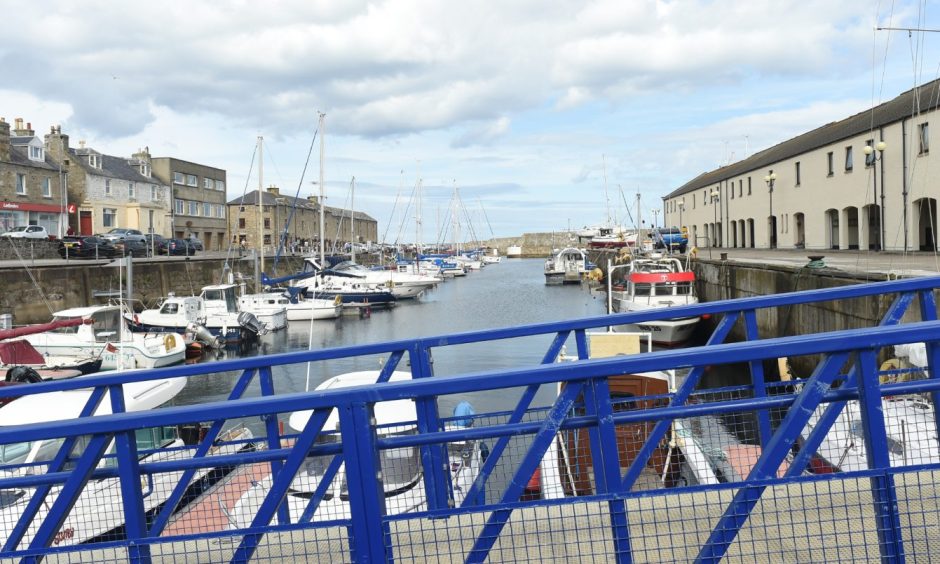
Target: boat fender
(169, 342)
(693, 252)
(464, 412)
(338, 300)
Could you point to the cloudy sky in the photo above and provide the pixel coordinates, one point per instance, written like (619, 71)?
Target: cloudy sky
(519, 104)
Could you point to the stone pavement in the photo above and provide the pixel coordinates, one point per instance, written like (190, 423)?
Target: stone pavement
(881, 264)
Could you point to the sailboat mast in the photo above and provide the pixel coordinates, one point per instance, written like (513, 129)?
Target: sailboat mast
(352, 219)
(418, 218)
(260, 207)
(322, 127)
(606, 195)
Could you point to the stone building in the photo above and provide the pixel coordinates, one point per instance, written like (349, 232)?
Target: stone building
(198, 200)
(30, 182)
(864, 182)
(303, 231)
(110, 191)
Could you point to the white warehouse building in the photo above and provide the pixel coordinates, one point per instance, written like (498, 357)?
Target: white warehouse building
(866, 182)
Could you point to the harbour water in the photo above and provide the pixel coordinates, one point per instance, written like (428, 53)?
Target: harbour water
(507, 294)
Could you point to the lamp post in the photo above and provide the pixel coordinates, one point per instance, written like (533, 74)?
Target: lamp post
(868, 150)
(770, 179)
(714, 200)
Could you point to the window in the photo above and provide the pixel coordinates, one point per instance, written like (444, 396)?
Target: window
(47, 187)
(94, 161)
(131, 190)
(221, 211)
(36, 154)
(732, 189)
(924, 138)
(267, 223)
(829, 161)
(109, 217)
(740, 188)
(191, 180)
(796, 170)
(207, 183)
(193, 208)
(107, 186)
(154, 195)
(20, 183)
(267, 239)
(848, 159)
(748, 185)
(219, 185)
(179, 207)
(145, 170)
(207, 209)
(870, 157)
(241, 223)
(178, 178)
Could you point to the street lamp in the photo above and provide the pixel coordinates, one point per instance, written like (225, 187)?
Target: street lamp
(873, 159)
(770, 179)
(714, 199)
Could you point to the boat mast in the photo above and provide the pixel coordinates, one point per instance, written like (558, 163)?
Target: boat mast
(418, 219)
(352, 219)
(606, 195)
(322, 127)
(260, 209)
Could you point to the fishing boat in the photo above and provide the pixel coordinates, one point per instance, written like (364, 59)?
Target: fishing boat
(567, 266)
(653, 282)
(223, 317)
(104, 332)
(97, 513)
(402, 475)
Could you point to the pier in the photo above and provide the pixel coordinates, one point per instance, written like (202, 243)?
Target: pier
(779, 504)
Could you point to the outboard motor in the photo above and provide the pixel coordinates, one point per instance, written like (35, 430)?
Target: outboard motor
(23, 374)
(250, 322)
(203, 335)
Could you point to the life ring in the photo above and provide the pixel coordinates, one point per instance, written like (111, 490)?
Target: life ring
(169, 342)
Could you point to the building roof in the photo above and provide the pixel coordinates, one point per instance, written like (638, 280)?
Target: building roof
(908, 104)
(269, 199)
(19, 154)
(122, 168)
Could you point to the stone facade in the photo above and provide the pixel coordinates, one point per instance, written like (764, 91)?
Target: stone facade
(303, 232)
(199, 207)
(30, 182)
(820, 190)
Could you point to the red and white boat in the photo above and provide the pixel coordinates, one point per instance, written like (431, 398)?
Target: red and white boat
(657, 282)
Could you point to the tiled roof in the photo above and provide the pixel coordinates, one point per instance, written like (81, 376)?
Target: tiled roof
(20, 157)
(917, 100)
(113, 167)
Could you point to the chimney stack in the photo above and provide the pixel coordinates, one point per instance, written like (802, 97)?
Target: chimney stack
(312, 199)
(4, 140)
(57, 145)
(274, 190)
(20, 131)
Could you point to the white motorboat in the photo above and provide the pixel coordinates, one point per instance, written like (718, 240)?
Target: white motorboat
(402, 285)
(106, 333)
(224, 318)
(652, 283)
(266, 307)
(402, 474)
(567, 266)
(188, 315)
(98, 512)
(20, 361)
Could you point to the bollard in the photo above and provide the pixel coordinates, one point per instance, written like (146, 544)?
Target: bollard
(724, 256)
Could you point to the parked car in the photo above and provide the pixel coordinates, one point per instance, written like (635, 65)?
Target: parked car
(27, 232)
(122, 234)
(156, 244)
(87, 247)
(195, 244)
(178, 247)
(133, 247)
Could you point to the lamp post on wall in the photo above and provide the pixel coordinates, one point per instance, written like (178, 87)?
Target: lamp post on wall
(714, 200)
(868, 150)
(770, 179)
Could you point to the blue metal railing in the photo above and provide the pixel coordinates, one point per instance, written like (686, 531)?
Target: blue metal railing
(46, 509)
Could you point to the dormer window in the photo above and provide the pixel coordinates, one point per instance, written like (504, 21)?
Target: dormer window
(145, 170)
(94, 161)
(36, 153)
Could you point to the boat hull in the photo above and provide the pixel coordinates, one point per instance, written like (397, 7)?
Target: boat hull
(668, 332)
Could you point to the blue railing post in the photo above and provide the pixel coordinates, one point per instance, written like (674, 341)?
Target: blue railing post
(758, 383)
(273, 429)
(928, 312)
(433, 457)
(883, 490)
(366, 490)
(605, 457)
(128, 461)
